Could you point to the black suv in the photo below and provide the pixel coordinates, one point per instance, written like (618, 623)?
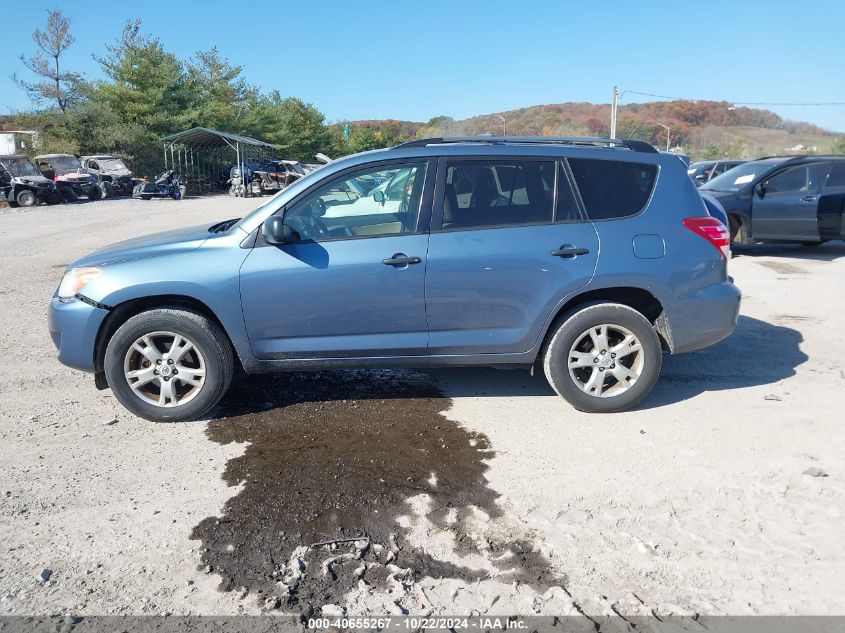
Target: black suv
(784, 199)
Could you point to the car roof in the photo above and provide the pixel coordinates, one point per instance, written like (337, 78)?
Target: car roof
(534, 146)
(54, 155)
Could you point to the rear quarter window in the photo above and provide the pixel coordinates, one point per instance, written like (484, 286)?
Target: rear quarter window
(613, 189)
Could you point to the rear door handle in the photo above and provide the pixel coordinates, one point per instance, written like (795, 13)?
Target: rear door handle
(400, 259)
(570, 251)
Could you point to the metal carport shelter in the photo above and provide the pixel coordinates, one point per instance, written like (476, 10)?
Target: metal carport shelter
(205, 156)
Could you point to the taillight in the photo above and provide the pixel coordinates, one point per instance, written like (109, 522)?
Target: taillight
(713, 231)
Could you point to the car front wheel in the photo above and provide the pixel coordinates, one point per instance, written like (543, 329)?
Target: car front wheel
(603, 358)
(169, 365)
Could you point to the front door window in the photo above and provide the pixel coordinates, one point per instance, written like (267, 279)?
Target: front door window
(372, 202)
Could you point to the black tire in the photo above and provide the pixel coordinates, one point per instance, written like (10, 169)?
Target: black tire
(570, 329)
(95, 193)
(146, 197)
(67, 195)
(203, 333)
(26, 198)
(739, 232)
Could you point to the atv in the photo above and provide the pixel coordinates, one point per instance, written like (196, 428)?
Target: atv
(113, 176)
(71, 181)
(21, 184)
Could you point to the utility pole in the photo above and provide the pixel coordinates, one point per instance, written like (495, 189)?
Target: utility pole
(614, 96)
(504, 125)
(665, 127)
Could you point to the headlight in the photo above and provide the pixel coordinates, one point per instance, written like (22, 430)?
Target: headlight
(75, 280)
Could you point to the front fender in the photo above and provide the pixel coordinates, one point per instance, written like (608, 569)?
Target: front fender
(213, 280)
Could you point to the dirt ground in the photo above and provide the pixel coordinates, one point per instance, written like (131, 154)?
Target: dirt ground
(449, 492)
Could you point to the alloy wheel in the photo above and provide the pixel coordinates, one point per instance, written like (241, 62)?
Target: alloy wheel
(164, 369)
(606, 360)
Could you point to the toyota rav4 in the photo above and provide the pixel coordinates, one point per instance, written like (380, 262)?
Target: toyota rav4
(586, 257)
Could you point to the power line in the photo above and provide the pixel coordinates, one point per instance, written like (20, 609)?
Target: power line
(755, 103)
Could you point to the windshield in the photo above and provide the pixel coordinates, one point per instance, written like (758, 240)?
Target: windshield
(62, 164)
(741, 176)
(19, 167)
(110, 164)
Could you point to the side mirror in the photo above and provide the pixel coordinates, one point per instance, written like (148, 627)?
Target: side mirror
(701, 177)
(378, 196)
(275, 231)
(760, 190)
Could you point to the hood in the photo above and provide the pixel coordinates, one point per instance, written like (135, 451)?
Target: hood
(116, 171)
(176, 241)
(38, 181)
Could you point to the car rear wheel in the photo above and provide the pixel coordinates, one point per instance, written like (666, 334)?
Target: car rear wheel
(169, 365)
(67, 195)
(603, 358)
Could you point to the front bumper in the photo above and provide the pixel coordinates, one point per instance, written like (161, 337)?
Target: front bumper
(73, 328)
(704, 317)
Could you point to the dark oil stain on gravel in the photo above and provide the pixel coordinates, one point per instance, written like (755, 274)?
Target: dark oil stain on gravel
(334, 456)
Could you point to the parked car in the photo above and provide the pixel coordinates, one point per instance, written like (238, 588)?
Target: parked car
(705, 170)
(113, 176)
(568, 254)
(71, 180)
(275, 175)
(22, 184)
(784, 199)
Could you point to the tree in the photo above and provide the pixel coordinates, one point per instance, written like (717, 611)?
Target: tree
(55, 85)
(217, 93)
(839, 145)
(144, 97)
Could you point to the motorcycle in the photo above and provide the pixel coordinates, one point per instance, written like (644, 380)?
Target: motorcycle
(168, 184)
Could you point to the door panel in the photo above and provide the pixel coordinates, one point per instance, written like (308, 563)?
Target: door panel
(329, 292)
(335, 299)
(490, 290)
(789, 209)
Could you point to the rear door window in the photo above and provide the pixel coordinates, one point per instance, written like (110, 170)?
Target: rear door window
(498, 193)
(613, 189)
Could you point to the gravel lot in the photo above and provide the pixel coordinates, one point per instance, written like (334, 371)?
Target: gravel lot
(479, 489)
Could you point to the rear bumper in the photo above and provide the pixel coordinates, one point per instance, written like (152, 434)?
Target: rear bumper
(704, 317)
(73, 328)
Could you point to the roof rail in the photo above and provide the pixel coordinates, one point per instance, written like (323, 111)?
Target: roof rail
(635, 146)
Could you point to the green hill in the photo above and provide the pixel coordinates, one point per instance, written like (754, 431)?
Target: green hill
(703, 129)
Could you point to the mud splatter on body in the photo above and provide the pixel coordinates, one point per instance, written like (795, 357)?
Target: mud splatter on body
(335, 455)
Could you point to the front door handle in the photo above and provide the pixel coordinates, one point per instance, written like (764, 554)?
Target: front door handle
(809, 198)
(570, 251)
(400, 259)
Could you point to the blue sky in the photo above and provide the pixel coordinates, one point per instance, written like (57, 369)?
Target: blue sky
(416, 60)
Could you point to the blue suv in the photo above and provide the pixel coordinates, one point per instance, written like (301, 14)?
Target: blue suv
(587, 256)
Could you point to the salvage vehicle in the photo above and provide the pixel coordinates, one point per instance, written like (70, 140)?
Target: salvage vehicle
(784, 199)
(705, 170)
(22, 184)
(566, 254)
(113, 176)
(71, 180)
(168, 184)
(274, 175)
